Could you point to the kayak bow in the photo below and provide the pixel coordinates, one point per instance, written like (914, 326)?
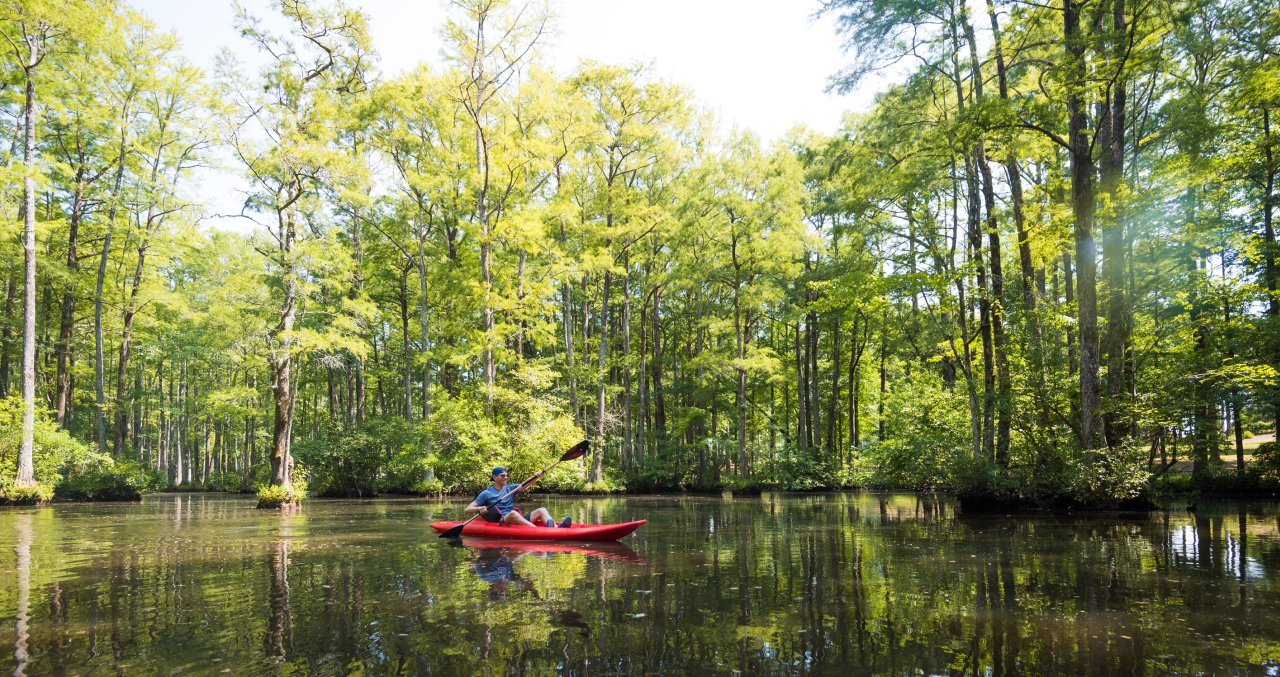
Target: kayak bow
(577, 532)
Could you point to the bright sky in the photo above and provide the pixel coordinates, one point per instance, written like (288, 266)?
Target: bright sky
(759, 64)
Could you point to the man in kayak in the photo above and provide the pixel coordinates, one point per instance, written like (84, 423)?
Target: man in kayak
(498, 503)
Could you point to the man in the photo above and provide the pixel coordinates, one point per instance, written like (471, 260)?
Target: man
(498, 503)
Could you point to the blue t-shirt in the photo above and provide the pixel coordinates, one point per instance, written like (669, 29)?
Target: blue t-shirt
(505, 505)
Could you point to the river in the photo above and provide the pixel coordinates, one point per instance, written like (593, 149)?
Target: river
(780, 584)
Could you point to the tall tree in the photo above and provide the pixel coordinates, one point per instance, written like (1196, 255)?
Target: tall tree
(282, 130)
(491, 44)
(32, 30)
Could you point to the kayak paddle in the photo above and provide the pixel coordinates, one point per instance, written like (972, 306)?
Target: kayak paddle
(576, 451)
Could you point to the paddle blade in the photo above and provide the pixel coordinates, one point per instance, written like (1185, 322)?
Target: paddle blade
(577, 451)
(455, 532)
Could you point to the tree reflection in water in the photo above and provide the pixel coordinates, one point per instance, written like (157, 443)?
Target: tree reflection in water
(23, 551)
(815, 584)
(279, 628)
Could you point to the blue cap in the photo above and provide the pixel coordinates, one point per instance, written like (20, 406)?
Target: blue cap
(498, 470)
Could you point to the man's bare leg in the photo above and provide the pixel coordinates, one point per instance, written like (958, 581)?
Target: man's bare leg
(516, 518)
(543, 516)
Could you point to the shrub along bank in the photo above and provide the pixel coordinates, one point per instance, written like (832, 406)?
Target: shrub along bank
(64, 466)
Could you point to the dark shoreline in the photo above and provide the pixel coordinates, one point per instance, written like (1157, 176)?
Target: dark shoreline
(971, 504)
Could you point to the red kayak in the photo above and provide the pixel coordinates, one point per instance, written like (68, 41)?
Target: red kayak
(577, 532)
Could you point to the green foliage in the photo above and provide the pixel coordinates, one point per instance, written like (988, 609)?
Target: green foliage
(795, 470)
(468, 443)
(352, 462)
(271, 496)
(431, 487)
(1172, 484)
(604, 486)
(54, 448)
(926, 440)
(67, 468)
(465, 271)
(1266, 464)
(230, 482)
(1117, 479)
(1261, 477)
(31, 494)
(100, 478)
(530, 432)
(385, 454)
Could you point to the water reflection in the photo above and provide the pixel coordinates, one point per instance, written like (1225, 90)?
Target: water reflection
(497, 568)
(822, 584)
(612, 550)
(23, 552)
(495, 563)
(280, 628)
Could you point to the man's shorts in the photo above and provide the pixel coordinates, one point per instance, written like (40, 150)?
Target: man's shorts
(491, 518)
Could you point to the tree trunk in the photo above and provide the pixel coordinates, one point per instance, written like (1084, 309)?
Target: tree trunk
(659, 396)
(1014, 175)
(162, 430)
(739, 332)
(66, 325)
(126, 342)
(1069, 297)
(646, 412)
(855, 393)
(973, 211)
(884, 387)
(597, 467)
(1082, 208)
(282, 359)
(628, 435)
(566, 319)
(357, 288)
(835, 388)
(483, 215)
(855, 356)
(802, 414)
(1002, 395)
(99, 365)
(1270, 273)
(26, 470)
(964, 320)
(408, 351)
(131, 310)
(974, 221)
(6, 335)
(523, 324)
(814, 384)
(1116, 343)
(424, 320)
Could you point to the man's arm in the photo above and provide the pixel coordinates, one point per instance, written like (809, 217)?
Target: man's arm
(528, 484)
(480, 504)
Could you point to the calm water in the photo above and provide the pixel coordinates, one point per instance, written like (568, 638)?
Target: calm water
(816, 584)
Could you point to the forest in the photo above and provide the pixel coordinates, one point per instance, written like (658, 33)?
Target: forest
(1040, 269)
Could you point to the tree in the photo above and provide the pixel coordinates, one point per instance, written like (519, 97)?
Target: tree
(32, 31)
(757, 237)
(282, 129)
(490, 64)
